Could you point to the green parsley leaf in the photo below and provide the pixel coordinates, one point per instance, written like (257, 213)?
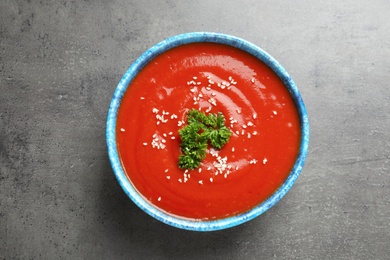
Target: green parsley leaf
(201, 130)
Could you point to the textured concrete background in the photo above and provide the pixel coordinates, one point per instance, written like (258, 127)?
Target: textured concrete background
(60, 62)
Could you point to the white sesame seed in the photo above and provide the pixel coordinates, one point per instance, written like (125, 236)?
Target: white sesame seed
(168, 177)
(180, 180)
(212, 101)
(254, 116)
(145, 144)
(244, 126)
(194, 77)
(200, 182)
(155, 110)
(164, 134)
(253, 80)
(249, 135)
(250, 124)
(253, 161)
(233, 149)
(236, 167)
(200, 170)
(238, 111)
(265, 160)
(166, 170)
(173, 138)
(254, 133)
(275, 112)
(237, 132)
(122, 129)
(211, 179)
(159, 199)
(142, 98)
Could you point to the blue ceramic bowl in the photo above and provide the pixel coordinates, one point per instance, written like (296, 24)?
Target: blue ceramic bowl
(127, 78)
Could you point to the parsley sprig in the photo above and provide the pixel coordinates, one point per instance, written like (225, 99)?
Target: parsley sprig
(195, 136)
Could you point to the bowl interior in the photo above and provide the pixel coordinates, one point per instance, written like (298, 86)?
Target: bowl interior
(145, 58)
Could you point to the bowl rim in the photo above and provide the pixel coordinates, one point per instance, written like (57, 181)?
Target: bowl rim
(190, 224)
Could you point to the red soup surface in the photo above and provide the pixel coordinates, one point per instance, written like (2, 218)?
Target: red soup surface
(212, 78)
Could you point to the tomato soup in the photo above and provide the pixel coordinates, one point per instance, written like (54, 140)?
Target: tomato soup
(212, 78)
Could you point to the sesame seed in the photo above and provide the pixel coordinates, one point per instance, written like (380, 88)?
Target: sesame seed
(159, 199)
(253, 161)
(200, 170)
(155, 110)
(244, 126)
(238, 111)
(168, 177)
(142, 98)
(173, 138)
(250, 124)
(194, 77)
(237, 132)
(145, 144)
(211, 179)
(275, 112)
(236, 167)
(212, 101)
(253, 80)
(200, 182)
(254, 116)
(208, 88)
(166, 170)
(249, 135)
(265, 160)
(233, 149)
(122, 129)
(180, 180)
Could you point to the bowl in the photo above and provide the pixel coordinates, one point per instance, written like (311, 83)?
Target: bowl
(196, 224)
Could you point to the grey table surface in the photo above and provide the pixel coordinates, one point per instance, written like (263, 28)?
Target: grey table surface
(60, 62)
